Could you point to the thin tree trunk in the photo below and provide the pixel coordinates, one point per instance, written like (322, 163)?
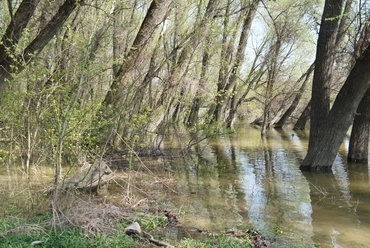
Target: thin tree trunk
(233, 110)
(230, 86)
(257, 71)
(272, 71)
(192, 118)
(224, 61)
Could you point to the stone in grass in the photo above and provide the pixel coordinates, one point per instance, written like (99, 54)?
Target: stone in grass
(132, 229)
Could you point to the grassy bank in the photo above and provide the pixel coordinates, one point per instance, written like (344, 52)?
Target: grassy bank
(38, 231)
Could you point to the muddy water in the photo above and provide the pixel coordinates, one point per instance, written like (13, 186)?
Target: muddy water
(242, 180)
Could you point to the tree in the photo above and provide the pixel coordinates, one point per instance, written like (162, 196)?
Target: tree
(320, 103)
(303, 118)
(332, 132)
(155, 16)
(226, 89)
(124, 85)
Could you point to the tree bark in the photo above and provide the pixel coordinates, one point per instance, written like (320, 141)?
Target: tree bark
(358, 150)
(272, 69)
(225, 60)
(320, 104)
(332, 132)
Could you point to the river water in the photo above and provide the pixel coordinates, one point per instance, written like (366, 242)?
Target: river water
(239, 180)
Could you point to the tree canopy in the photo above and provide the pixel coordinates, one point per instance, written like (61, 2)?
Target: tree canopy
(86, 77)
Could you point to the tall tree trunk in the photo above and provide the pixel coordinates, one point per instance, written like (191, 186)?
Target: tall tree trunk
(230, 86)
(192, 118)
(297, 98)
(358, 151)
(226, 51)
(271, 78)
(320, 104)
(256, 72)
(333, 131)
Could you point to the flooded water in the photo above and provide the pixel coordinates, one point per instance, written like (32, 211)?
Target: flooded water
(242, 180)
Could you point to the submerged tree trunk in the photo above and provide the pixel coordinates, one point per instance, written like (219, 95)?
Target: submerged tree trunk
(358, 150)
(303, 118)
(333, 131)
(225, 59)
(320, 104)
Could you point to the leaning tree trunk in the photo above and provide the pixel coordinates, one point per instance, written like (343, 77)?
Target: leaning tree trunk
(154, 17)
(9, 64)
(303, 118)
(297, 98)
(333, 131)
(358, 150)
(225, 60)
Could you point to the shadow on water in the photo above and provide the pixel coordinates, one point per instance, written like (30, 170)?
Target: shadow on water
(241, 180)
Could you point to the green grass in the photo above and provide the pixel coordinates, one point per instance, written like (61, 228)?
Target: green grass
(19, 233)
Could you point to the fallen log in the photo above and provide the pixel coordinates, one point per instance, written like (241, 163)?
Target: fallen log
(90, 177)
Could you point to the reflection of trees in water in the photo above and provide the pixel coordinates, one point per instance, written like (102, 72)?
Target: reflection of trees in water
(211, 193)
(358, 175)
(244, 179)
(276, 192)
(340, 202)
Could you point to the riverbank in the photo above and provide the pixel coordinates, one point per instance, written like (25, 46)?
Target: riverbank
(91, 222)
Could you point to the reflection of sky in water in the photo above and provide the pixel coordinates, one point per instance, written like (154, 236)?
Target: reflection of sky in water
(276, 193)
